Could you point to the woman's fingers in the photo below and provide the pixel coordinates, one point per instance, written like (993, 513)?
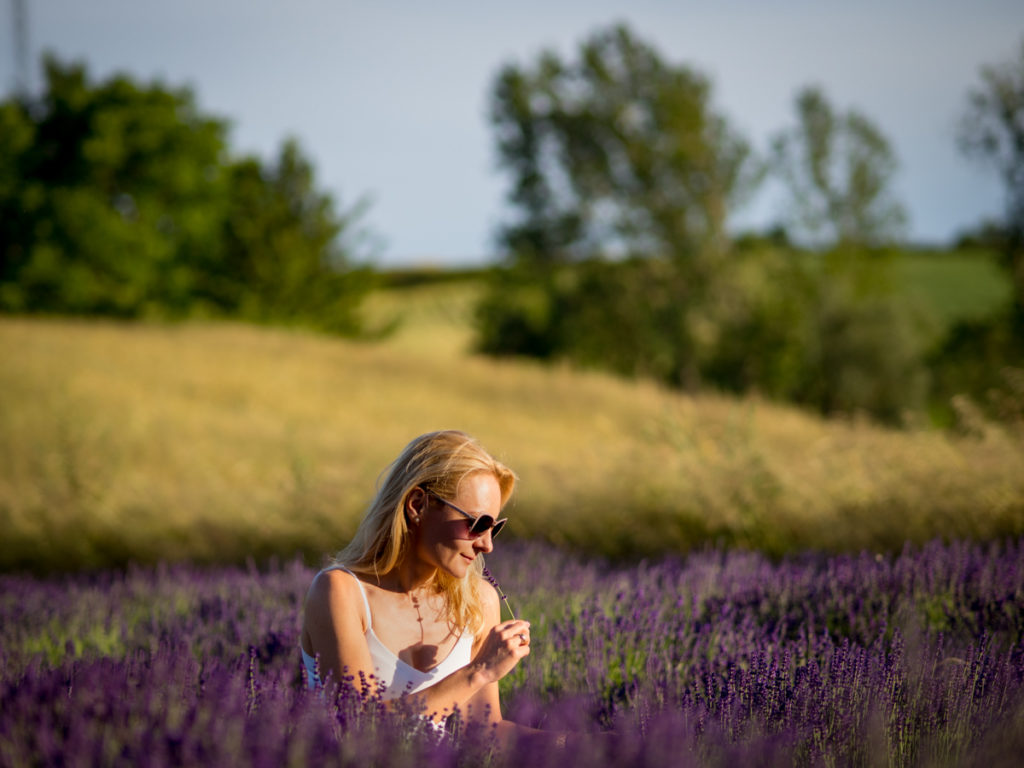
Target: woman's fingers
(514, 637)
(506, 644)
(513, 628)
(516, 633)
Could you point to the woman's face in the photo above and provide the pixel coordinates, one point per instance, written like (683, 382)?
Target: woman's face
(442, 537)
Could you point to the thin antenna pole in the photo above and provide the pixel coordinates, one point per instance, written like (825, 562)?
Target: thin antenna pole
(21, 46)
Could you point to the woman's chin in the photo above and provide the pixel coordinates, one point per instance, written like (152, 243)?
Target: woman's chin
(460, 566)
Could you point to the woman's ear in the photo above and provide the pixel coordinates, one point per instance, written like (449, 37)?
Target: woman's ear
(415, 504)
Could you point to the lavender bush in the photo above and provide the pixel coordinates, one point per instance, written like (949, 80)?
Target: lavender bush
(721, 658)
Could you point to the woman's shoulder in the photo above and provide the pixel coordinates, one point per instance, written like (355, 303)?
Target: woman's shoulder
(336, 589)
(489, 601)
(488, 593)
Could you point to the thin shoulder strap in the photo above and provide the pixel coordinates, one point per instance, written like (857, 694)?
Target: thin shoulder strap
(362, 591)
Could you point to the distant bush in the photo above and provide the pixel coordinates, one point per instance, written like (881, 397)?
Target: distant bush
(780, 324)
(518, 314)
(978, 359)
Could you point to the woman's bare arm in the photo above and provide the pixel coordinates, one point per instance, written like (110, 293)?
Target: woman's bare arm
(486, 702)
(334, 626)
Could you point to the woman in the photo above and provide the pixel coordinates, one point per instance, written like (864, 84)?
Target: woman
(405, 602)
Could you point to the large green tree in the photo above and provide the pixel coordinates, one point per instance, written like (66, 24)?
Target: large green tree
(975, 358)
(108, 194)
(282, 259)
(123, 199)
(863, 344)
(620, 166)
(616, 153)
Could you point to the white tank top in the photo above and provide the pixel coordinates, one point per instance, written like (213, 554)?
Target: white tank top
(397, 676)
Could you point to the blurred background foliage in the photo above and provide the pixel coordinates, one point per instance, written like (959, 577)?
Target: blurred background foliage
(624, 318)
(623, 177)
(124, 199)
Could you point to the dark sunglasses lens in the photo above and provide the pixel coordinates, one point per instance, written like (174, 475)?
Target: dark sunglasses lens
(481, 524)
(497, 527)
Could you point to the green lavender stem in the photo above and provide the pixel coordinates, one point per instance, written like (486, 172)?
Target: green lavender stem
(501, 595)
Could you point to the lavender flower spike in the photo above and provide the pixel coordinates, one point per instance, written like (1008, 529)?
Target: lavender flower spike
(504, 598)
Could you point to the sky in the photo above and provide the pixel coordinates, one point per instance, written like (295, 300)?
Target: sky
(389, 99)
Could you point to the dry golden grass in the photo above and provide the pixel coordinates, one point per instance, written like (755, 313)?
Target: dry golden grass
(436, 316)
(211, 442)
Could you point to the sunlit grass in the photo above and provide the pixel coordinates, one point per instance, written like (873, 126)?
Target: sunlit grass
(434, 316)
(214, 442)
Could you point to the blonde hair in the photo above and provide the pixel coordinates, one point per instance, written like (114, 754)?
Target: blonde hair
(439, 462)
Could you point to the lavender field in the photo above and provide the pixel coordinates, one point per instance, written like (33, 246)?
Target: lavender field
(721, 658)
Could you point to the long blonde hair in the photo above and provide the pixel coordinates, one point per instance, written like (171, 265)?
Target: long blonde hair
(438, 461)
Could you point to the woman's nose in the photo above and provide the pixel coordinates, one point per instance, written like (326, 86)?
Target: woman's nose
(483, 542)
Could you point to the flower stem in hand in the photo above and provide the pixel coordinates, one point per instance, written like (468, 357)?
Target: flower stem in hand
(501, 595)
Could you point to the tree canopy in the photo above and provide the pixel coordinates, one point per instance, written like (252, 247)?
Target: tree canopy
(838, 168)
(615, 153)
(985, 356)
(992, 130)
(616, 158)
(120, 198)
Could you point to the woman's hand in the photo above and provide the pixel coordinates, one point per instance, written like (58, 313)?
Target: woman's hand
(502, 649)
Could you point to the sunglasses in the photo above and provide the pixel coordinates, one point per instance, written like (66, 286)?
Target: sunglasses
(481, 523)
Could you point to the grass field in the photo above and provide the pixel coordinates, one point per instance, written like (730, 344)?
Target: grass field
(434, 317)
(960, 285)
(127, 442)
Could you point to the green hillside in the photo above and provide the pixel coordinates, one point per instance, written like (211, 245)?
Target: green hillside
(958, 285)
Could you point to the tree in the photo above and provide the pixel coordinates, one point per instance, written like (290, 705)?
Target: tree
(838, 169)
(992, 131)
(975, 356)
(616, 156)
(623, 179)
(616, 153)
(107, 195)
(863, 346)
(122, 199)
(282, 260)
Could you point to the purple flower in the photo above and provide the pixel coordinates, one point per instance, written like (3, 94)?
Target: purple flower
(504, 598)
(724, 657)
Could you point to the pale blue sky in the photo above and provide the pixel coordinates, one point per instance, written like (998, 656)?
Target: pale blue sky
(389, 98)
